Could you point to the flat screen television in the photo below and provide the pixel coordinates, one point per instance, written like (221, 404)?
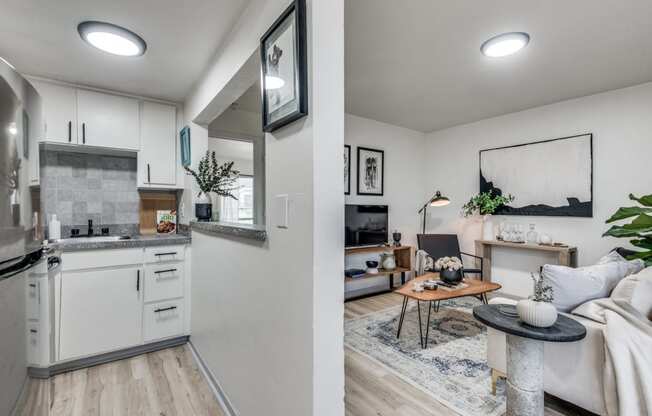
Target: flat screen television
(366, 225)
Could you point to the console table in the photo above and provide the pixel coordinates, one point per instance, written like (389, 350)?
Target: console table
(567, 255)
(404, 256)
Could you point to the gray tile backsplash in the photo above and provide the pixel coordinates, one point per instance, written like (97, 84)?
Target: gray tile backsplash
(79, 187)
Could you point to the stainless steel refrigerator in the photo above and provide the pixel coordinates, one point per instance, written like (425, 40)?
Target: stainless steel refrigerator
(21, 121)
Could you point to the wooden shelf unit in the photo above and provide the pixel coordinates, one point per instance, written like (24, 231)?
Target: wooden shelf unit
(404, 256)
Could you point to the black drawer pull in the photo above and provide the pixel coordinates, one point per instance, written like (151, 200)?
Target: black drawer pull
(33, 331)
(164, 309)
(32, 285)
(165, 271)
(166, 254)
(84, 133)
(69, 131)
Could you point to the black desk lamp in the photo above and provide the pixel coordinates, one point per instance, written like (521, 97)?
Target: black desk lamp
(437, 200)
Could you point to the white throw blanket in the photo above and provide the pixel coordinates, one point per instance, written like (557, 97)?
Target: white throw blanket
(628, 351)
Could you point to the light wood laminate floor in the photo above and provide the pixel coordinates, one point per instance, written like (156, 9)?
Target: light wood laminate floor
(168, 383)
(372, 390)
(162, 383)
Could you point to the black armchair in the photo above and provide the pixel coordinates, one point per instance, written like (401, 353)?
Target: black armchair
(442, 245)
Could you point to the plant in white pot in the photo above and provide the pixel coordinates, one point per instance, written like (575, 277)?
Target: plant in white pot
(538, 310)
(212, 177)
(485, 204)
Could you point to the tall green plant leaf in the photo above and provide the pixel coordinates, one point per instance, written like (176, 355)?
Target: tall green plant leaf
(643, 243)
(645, 200)
(645, 255)
(628, 212)
(620, 231)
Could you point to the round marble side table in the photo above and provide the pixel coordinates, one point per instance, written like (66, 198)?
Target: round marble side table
(525, 354)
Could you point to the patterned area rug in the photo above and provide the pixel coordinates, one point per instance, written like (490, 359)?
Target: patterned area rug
(453, 369)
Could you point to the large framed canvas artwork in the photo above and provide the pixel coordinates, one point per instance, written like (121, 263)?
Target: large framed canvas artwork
(548, 178)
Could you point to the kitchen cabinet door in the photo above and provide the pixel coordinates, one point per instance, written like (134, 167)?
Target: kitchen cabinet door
(101, 311)
(60, 111)
(106, 120)
(158, 155)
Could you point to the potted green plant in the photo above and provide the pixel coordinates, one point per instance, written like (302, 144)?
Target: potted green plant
(538, 309)
(485, 204)
(212, 177)
(639, 229)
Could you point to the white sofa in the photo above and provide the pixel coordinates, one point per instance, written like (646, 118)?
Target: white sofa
(572, 371)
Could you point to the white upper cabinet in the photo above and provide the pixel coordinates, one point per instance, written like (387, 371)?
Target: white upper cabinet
(107, 120)
(60, 107)
(158, 156)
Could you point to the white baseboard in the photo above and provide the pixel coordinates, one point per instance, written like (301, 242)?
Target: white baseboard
(214, 385)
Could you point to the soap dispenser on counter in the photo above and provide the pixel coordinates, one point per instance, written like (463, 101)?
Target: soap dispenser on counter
(54, 229)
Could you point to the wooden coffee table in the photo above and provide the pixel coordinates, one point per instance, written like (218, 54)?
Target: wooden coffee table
(476, 288)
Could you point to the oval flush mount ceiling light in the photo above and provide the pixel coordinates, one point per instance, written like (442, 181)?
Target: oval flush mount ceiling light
(113, 39)
(505, 44)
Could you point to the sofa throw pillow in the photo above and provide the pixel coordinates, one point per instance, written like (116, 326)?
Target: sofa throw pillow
(637, 291)
(634, 266)
(574, 286)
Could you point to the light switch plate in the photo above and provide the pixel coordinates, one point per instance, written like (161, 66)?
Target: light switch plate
(281, 210)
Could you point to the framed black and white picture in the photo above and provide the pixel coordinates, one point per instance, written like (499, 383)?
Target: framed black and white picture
(284, 68)
(347, 169)
(371, 171)
(548, 178)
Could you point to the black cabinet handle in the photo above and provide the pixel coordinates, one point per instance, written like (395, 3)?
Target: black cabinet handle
(32, 285)
(165, 271)
(138, 280)
(149, 179)
(164, 309)
(33, 331)
(166, 254)
(84, 133)
(69, 131)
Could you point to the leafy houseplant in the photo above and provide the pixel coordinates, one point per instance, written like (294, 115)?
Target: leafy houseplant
(485, 204)
(538, 309)
(640, 229)
(212, 177)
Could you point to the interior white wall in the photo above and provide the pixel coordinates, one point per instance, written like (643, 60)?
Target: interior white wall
(268, 318)
(237, 124)
(621, 125)
(404, 182)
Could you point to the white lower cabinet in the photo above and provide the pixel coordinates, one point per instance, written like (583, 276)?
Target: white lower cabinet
(100, 311)
(120, 298)
(162, 320)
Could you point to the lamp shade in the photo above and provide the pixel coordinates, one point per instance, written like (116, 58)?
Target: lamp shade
(439, 200)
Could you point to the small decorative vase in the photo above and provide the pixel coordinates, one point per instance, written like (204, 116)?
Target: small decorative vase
(451, 276)
(203, 208)
(539, 314)
(388, 261)
(488, 228)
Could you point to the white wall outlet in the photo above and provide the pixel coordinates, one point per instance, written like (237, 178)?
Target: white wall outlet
(281, 211)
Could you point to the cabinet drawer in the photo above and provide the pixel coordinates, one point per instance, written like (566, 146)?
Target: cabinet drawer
(163, 320)
(91, 259)
(164, 281)
(164, 254)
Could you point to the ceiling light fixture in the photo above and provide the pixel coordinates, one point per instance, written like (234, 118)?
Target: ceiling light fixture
(113, 39)
(505, 44)
(273, 83)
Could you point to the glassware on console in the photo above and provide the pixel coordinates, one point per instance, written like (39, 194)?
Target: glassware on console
(532, 236)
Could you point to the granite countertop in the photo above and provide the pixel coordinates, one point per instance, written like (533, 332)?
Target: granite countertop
(81, 243)
(247, 231)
